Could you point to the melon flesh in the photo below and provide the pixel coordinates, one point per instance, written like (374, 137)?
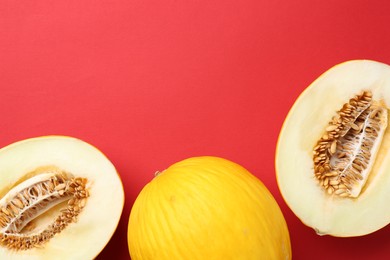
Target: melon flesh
(301, 130)
(97, 221)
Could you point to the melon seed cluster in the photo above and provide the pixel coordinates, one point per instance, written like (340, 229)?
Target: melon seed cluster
(344, 155)
(33, 197)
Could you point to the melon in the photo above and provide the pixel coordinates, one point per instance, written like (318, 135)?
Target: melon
(207, 208)
(60, 198)
(333, 152)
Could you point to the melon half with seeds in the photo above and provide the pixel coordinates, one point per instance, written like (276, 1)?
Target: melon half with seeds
(333, 153)
(60, 198)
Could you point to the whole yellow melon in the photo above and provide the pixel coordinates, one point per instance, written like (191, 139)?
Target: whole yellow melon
(207, 208)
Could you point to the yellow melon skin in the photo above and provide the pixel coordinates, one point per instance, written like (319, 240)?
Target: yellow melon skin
(207, 208)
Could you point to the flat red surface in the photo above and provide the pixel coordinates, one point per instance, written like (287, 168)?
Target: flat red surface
(153, 82)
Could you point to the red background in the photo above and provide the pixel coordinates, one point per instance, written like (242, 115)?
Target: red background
(153, 82)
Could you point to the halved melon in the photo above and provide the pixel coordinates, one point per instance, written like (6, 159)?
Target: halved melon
(60, 198)
(333, 152)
